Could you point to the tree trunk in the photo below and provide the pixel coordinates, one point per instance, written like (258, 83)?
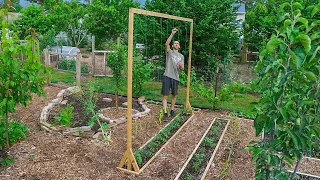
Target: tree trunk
(7, 125)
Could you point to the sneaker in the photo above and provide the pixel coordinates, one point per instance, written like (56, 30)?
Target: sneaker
(172, 113)
(165, 117)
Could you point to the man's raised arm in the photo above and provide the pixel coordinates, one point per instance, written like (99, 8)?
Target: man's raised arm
(170, 38)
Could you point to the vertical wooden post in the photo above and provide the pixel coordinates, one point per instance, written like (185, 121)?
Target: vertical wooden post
(47, 63)
(104, 63)
(187, 104)
(78, 69)
(128, 156)
(130, 54)
(244, 54)
(93, 56)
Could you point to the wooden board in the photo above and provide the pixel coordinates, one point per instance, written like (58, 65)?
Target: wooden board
(156, 14)
(215, 151)
(172, 137)
(194, 151)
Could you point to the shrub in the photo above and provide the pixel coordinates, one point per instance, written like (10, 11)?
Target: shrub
(17, 132)
(141, 74)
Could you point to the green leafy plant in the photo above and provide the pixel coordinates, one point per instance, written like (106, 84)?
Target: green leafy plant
(17, 132)
(47, 39)
(117, 62)
(141, 73)
(208, 142)
(65, 115)
(6, 161)
(89, 99)
(19, 79)
(288, 112)
(197, 161)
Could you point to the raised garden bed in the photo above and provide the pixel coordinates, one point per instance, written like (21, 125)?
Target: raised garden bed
(303, 176)
(70, 101)
(202, 156)
(151, 149)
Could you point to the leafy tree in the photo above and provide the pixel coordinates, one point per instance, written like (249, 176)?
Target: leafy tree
(19, 79)
(108, 19)
(117, 62)
(288, 112)
(214, 26)
(33, 17)
(70, 17)
(262, 19)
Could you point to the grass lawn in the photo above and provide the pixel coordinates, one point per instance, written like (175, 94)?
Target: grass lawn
(240, 102)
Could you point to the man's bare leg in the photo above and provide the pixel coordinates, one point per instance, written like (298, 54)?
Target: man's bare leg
(173, 102)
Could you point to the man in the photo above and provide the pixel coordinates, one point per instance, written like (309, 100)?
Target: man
(170, 80)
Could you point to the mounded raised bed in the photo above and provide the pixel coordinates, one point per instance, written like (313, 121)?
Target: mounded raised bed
(200, 160)
(79, 125)
(153, 147)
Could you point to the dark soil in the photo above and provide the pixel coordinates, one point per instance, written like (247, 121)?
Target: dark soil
(80, 117)
(196, 165)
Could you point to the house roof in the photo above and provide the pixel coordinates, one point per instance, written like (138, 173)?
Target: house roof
(242, 8)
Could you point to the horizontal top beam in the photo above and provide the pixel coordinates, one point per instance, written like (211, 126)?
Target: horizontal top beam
(156, 14)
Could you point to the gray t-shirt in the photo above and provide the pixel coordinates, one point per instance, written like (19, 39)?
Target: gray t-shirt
(172, 67)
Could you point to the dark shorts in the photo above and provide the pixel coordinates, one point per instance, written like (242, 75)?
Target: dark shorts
(167, 84)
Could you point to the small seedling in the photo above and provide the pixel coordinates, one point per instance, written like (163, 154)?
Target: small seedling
(31, 157)
(6, 161)
(208, 142)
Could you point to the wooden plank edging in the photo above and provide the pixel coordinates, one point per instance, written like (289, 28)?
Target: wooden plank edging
(310, 175)
(172, 137)
(215, 151)
(311, 158)
(195, 149)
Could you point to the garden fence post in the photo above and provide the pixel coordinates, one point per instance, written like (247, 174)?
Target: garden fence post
(47, 63)
(93, 56)
(78, 69)
(244, 55)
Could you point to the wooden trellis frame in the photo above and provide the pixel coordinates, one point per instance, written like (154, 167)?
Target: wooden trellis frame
(128, 158)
